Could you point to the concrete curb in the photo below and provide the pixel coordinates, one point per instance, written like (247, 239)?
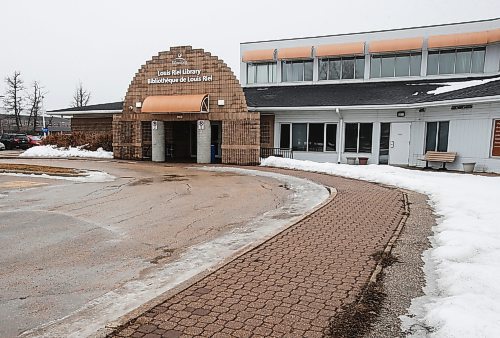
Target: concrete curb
(390, 245)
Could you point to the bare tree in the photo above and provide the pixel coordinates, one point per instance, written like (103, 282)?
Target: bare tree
(35, 103)
(81, 97)
(13, 100)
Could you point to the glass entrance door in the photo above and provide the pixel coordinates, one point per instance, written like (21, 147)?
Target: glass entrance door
(385, 135)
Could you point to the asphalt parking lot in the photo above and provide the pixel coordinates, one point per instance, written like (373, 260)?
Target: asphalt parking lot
(64, 244)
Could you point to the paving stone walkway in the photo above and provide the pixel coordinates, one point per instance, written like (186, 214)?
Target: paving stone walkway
(292, 284)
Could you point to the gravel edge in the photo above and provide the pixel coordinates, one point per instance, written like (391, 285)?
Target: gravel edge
(404, 279)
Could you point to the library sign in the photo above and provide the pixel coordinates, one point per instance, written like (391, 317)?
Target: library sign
(185, 75)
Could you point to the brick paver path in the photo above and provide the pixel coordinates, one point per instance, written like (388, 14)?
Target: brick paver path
(292, 284)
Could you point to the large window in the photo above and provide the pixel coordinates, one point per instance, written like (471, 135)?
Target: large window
(342, 68)
(309, 136)
(395, 65)
(261, 72)
(436, 138)
(296, 71)
(456, 61)
(358, 137)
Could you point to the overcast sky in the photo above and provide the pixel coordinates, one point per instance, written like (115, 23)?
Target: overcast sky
(103, 42)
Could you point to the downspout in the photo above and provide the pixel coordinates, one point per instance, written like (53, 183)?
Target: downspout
(341, 137)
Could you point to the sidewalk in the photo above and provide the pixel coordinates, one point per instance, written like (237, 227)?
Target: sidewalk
(293, 283)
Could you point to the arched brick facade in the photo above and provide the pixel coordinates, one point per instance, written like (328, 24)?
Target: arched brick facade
(240, 128)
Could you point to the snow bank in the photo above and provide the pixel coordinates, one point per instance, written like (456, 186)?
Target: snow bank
(463, 266)
(53, 151)
(452, 86)
(87, 177)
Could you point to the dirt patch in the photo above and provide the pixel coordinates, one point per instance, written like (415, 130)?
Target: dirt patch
(173, 178)
(355, 319)
(141, 181)
(37, 169)
(20, 184)
(385, 258)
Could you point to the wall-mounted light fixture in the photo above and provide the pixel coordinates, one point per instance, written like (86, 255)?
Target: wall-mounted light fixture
(401, 113)
(138, 104)
(220, 103)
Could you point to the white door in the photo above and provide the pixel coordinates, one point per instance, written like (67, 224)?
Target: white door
(399, 144)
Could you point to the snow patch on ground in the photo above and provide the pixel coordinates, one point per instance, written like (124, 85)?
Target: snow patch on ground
(462, 293)
(87, 177)
(452, 86)
(54, 151)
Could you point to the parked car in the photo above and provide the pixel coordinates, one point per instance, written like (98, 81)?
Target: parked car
(34, 140)
(2, 146)
(12, 141)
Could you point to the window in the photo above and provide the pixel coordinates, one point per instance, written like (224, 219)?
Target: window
(317, 137)
(495, 151)
(331, 137)
(342, 68)
(285, 136)
(299, 136)
(358, 137)
(265, 132)
(437, 136)
(296, 71)
(456, 61)
(261, 72)
(395, 65)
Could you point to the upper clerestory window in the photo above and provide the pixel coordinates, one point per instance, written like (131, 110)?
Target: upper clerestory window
(292, 71)
(395, 65)
(342, 68)
(263, 72)
(456, 61)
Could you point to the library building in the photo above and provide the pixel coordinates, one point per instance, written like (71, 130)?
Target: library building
(381, 97)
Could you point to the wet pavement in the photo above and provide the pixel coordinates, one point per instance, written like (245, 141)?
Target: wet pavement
(66, 244)
(292, 284)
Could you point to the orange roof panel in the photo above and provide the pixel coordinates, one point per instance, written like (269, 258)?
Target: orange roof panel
(258, 55)
(494, 36)
(396, 45)
(340, 49)
(295, 53)
(456, 40)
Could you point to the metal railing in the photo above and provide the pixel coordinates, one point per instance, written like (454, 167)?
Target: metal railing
(278, 152)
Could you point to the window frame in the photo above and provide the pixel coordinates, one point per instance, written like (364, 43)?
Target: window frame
(412, 54)
(358, 138)
(354, 58)
(270, 65)
(301, 61)
(290, 137)
(456, 50)
(436, 139)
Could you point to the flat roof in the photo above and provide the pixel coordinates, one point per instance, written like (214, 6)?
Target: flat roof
(370, 32)
(111, 106)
